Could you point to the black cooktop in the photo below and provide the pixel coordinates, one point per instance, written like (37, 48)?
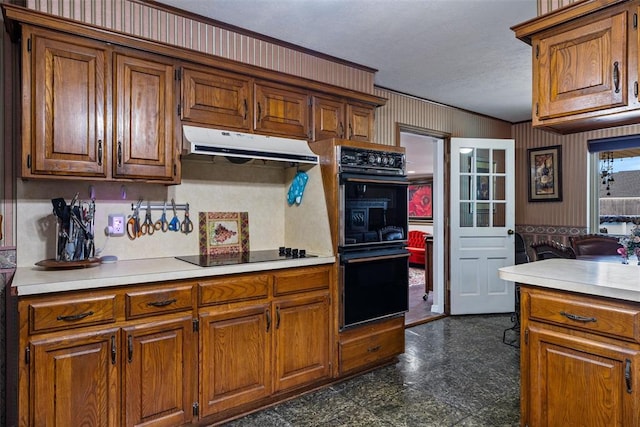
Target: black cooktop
(241, 258)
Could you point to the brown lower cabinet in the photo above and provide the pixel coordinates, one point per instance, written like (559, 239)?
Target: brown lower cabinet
(580, 360)
(173, 353)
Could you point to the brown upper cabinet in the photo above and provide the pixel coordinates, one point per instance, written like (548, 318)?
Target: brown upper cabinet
(281, 110)
(68, 111)
(65, 101)
(216, 98)
(585, 66)
(335, 118)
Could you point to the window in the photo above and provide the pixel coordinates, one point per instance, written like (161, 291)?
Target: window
(615, 184)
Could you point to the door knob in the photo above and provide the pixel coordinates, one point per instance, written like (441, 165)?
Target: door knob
(510, 232)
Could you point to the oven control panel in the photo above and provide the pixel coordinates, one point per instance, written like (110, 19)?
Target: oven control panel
(371, 161)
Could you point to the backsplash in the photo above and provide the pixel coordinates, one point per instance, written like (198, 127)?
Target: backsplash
(212, 184)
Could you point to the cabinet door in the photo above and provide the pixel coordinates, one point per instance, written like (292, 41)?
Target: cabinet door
(360, 123)
(328, 118)
(282, 111)
(235, 356)
(301, 341)
(216, 98)
(75, 380)
(158, 369)
(66, 94)
(602, 380)
(581, 70)
(144, 146)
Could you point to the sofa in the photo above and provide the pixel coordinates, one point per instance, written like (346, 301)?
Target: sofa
(416, 246)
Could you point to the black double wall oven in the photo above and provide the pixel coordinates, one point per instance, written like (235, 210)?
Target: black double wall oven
(374, 260)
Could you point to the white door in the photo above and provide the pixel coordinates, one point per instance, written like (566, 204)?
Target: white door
(482, 224)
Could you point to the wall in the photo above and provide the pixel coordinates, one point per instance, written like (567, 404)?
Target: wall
(160, 24)
(557, 220)
(208, 184)
(409, 110)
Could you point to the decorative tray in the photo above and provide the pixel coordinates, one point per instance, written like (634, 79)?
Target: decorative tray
(52, 264)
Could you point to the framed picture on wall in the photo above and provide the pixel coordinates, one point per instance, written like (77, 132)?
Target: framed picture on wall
(545, 174)
(420, 200)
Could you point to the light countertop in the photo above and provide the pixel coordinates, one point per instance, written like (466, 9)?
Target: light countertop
(36, 280)
(605, 279)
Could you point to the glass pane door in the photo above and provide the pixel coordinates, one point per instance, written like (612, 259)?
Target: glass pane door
(482, 187)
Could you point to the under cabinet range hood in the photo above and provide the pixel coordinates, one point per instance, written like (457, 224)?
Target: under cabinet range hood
(239, 146)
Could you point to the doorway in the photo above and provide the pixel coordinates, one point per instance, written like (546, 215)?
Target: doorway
(426, 168)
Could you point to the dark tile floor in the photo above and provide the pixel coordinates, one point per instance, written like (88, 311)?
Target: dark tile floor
(455, 372)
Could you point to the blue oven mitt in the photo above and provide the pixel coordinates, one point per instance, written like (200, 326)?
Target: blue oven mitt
(297, 188)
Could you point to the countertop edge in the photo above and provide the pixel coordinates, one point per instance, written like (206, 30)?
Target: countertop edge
(603, 279)
(35, 281)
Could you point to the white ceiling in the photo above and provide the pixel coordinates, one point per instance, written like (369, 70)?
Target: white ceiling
(460, 53)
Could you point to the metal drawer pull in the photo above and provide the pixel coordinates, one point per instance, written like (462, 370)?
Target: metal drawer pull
(75, 316)
(627, 375)
(578, 318)
(616, 77)
(162, 303)
(373, 349)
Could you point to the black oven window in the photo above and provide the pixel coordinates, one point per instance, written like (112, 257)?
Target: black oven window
(375, 289)
(371, 208)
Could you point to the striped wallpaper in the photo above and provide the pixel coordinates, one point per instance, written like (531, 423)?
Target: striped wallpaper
(145, 21)
(408, 110)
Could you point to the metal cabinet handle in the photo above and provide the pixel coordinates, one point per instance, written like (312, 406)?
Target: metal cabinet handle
(246, 109)
(114, 350)
(341, 132)
(73, 317)
(129, 348)
(99, 152)
(627, 375)
(350, 131)
(578, 318)
(616, 76)
(277, 317)
(259, 112)
(268, 313)
(119, 153)
(162, 303)
(373, 349)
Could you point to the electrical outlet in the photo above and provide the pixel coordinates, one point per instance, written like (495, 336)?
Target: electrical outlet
(116, 225)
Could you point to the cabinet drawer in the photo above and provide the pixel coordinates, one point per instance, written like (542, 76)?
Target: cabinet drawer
(305, 280)
(218, 291)
(371, 344)
(584, 313)
(156, 301)
(63, 314)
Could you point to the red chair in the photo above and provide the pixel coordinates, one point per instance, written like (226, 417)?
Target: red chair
(416, 245)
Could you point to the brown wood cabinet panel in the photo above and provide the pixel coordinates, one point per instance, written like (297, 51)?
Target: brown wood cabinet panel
(281, 110)
(57, 314)
(360, 121)
(144, 114)
(301, 341)
(235, 357)
(158, 373)
(216, 98)
(66, 91)
(577, 381)
(583, 69)
(158, 301)
(233, 288)
(75, 381)
(328, 118)
(293, 281)
(371, 344)
(587, 314)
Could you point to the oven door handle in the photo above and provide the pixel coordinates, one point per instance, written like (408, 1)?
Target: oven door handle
(375, 258)
(369, 180)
